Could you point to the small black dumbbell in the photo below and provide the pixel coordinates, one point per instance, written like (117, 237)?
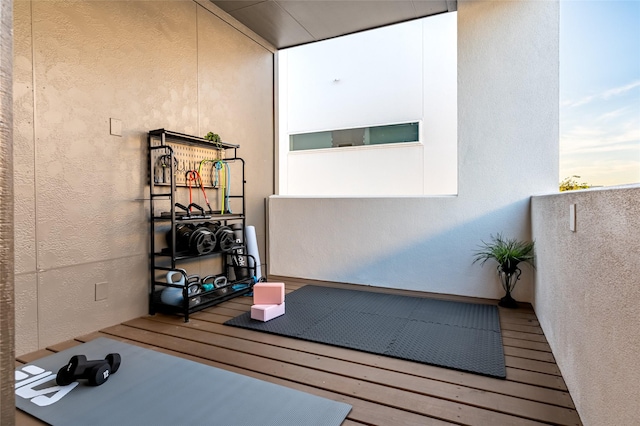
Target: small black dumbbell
(96, 372)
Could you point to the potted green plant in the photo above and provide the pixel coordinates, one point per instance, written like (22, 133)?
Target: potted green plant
(213, 137)
(509, 253)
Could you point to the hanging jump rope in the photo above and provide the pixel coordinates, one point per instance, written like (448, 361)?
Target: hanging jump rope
(194, 176)
(162, 166)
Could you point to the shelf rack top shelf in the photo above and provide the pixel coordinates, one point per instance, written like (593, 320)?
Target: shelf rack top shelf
(212, 217)
(193, 140)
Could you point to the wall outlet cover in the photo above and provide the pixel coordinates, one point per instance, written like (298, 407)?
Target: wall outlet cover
(102, 291)
(115, 126)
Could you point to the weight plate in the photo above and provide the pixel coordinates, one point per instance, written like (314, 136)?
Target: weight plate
(183, 235)
(226, 241)
(202, 241)
(65, 376)
(114, 361)
(99, 374)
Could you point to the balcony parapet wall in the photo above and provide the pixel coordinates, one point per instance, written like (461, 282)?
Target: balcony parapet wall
(586, 294)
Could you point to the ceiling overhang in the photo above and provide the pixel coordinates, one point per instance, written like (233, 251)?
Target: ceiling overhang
(288, 23)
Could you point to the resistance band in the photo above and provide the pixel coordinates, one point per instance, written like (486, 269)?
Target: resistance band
(228, 181)
(221, 177)
(194, 176)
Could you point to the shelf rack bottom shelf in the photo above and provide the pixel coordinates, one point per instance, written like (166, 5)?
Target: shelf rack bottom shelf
(206, 300)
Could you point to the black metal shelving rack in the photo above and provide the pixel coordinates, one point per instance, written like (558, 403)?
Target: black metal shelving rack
(165, 143)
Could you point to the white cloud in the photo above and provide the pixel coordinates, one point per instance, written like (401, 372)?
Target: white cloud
(607, 94)
(597, 139)
(604, 172)
(614, 114)
(602, 155)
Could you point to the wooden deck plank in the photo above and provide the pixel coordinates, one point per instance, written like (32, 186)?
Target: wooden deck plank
(523, 328)
(30, 357)
(532, 365)
(24, 419)
(524, 336)
(239, 303)
(529, 354)
(526, 344)
(362, 412)
(526, 376)
(409, 401)
(64, 345)
(518, 314)
(537, 379)
(348, 422)
(403, 381)
(229, 310)
(523, 372)
(520, 320)
(422, 370)
(382, 390)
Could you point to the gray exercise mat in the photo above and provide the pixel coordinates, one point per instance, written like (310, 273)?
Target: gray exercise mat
(462, 336)
(152, 388)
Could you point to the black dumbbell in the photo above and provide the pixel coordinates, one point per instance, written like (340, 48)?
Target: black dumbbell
(96, 372)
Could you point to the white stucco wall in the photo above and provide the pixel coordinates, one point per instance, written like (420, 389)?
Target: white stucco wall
(507, 102)
(397, 74)
(362, 170)
(586, 298)
(81, 215)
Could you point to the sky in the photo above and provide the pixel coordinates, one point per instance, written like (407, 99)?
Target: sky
(600, 91)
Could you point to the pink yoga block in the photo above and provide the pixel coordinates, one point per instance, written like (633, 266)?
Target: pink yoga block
(266, 312)
(268, 293)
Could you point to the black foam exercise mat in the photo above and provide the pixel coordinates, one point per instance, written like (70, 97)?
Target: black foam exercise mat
(457, 335)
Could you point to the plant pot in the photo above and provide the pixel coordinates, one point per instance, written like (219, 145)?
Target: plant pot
(508, 302)
(508, 280)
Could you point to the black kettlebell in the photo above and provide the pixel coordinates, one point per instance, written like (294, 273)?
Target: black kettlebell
(96, 372)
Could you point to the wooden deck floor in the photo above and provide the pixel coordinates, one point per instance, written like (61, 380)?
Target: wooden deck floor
(382, 391)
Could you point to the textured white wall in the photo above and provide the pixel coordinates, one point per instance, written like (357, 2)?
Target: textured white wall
(80, 218)
(507, 151)
(378, 73)
(586, 298)
(364, 170)
(396, 74)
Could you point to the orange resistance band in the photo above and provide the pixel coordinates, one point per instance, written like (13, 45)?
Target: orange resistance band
(194, 176)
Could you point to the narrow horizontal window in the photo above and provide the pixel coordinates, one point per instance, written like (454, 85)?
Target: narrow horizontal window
(376, 135)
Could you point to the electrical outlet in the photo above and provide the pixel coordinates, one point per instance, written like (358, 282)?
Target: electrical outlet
(102, 291)
(115, 126)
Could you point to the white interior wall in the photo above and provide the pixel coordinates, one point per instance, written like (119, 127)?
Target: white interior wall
(586, 297)
(439, 104)
(402, 73)
(383, 169)
(352, 81)
(507, 150)
(81, 215)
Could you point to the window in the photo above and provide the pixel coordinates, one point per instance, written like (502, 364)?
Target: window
(376, 135)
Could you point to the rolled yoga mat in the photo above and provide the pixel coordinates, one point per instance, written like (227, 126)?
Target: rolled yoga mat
(252, 248)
